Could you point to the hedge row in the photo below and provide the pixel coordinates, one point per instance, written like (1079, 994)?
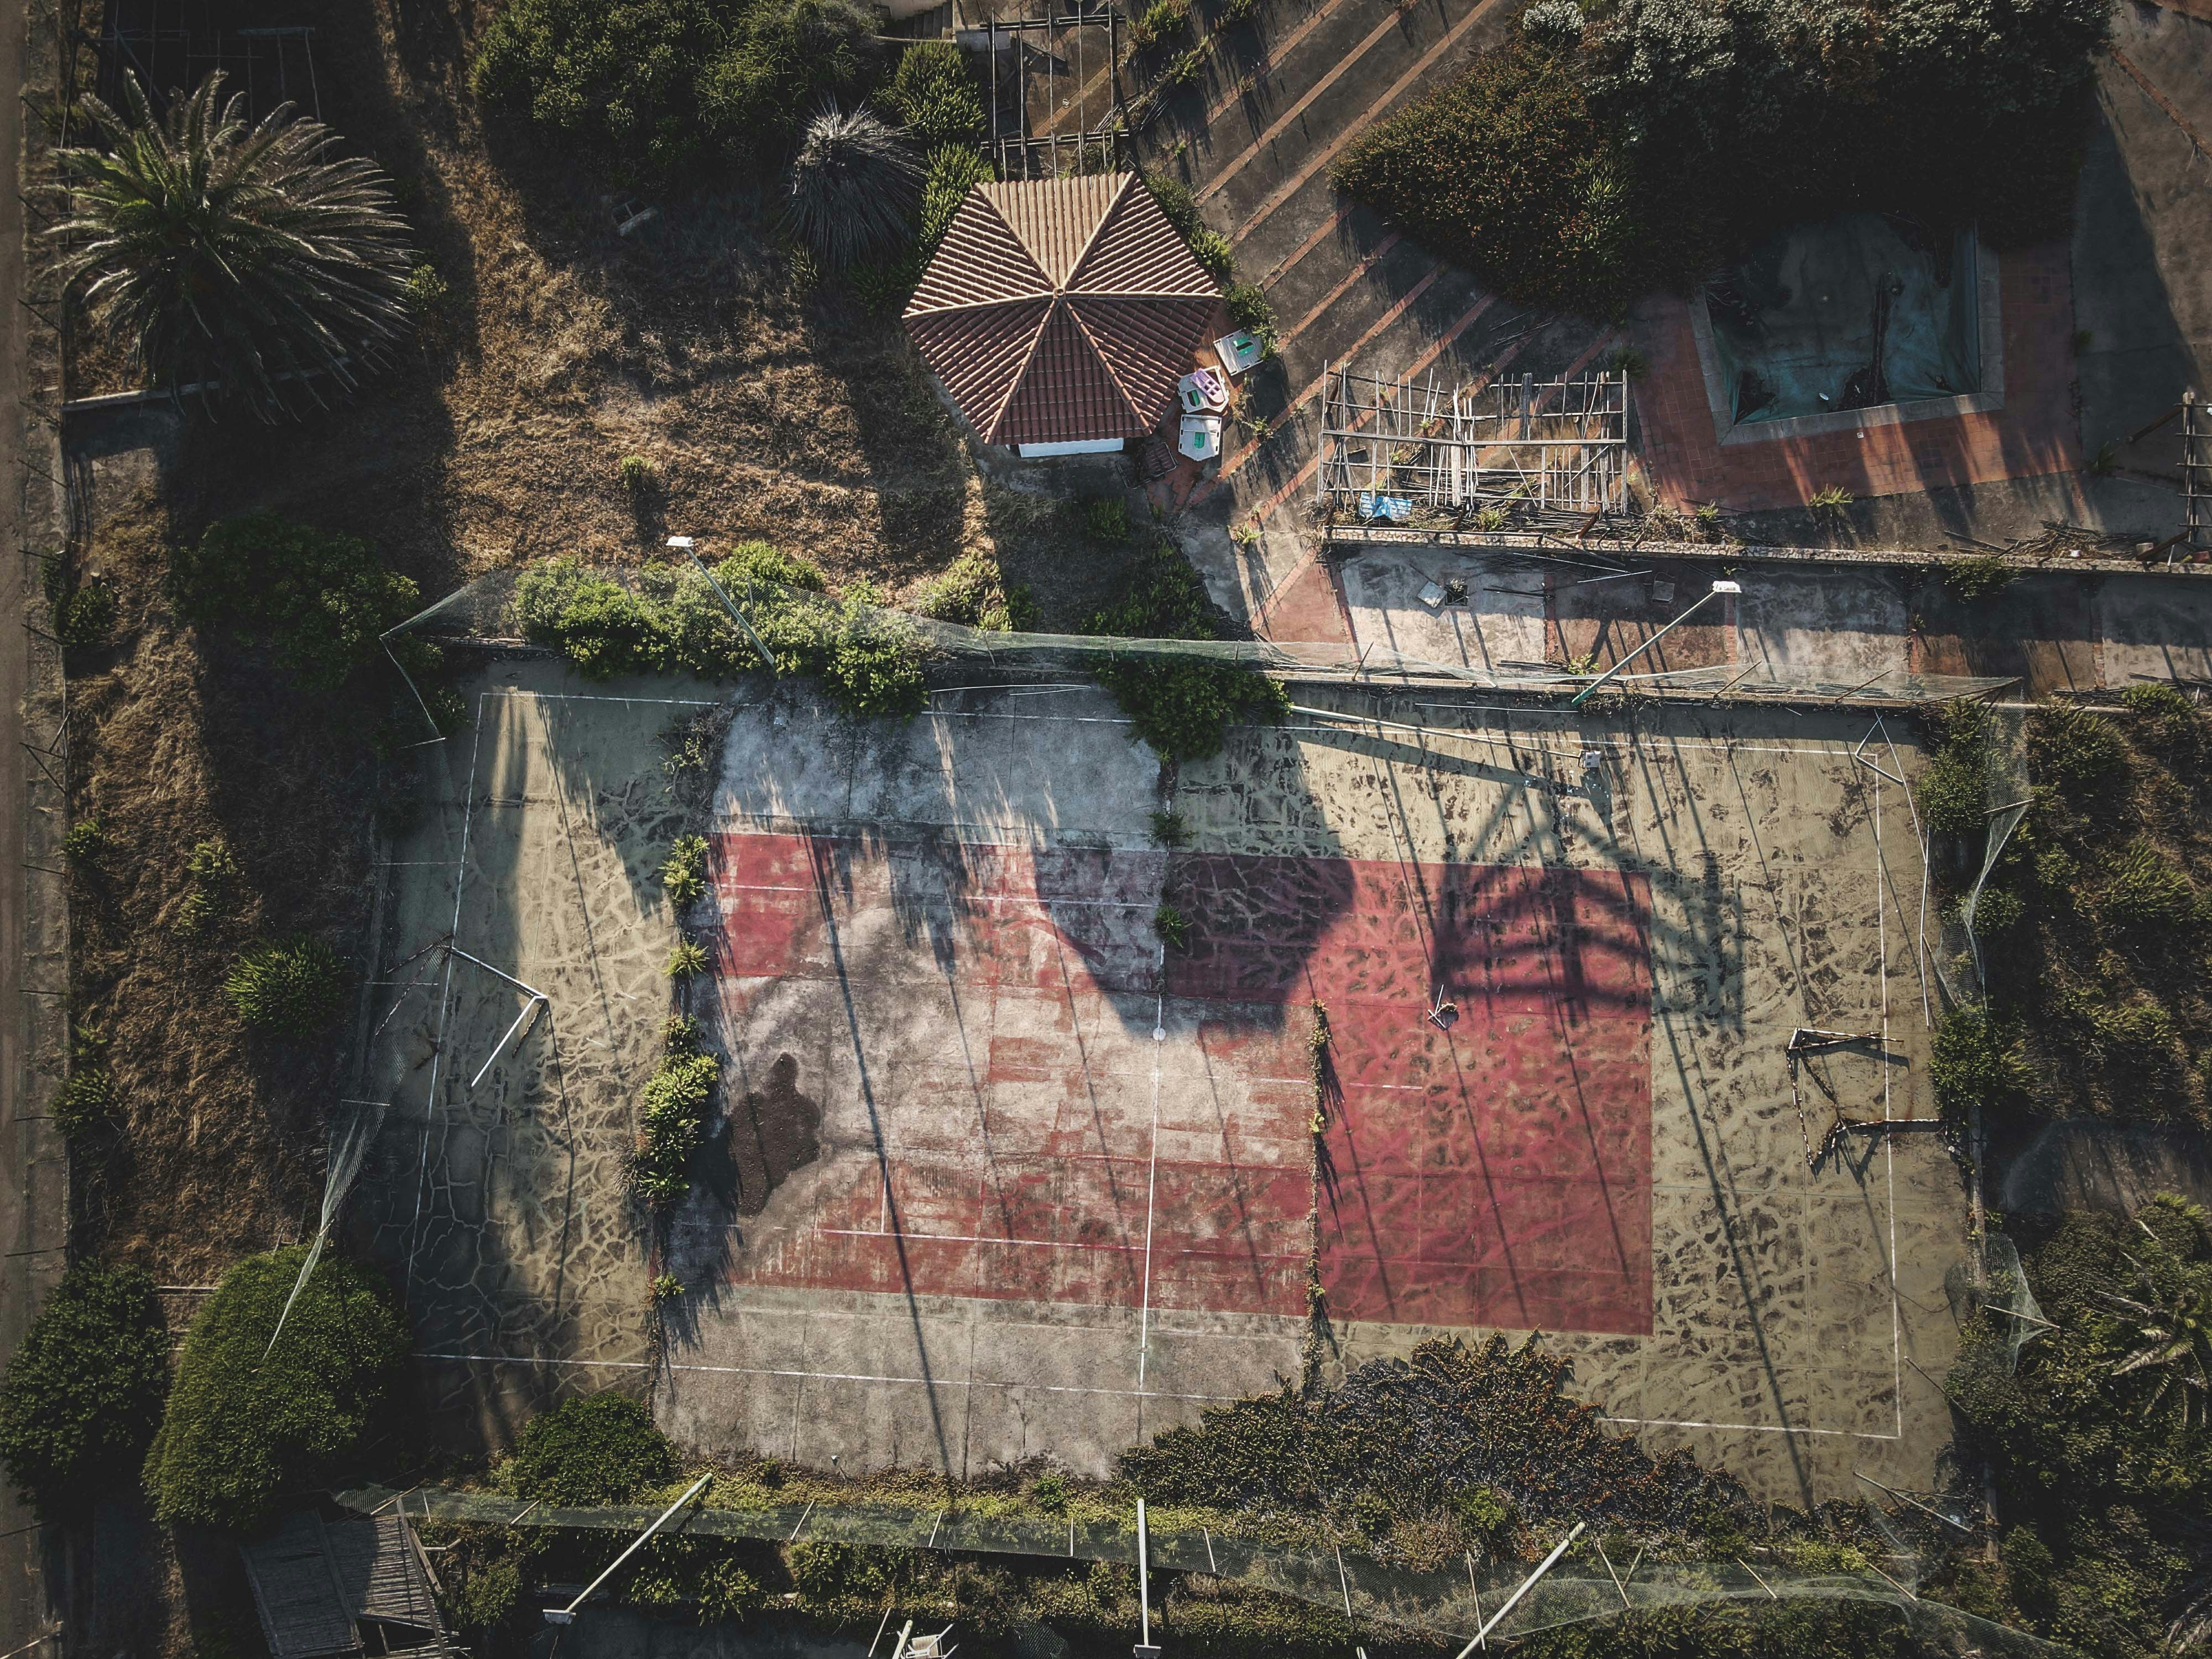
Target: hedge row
(868, 659)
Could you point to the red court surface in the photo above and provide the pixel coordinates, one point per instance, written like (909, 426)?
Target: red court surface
(1038, 1144)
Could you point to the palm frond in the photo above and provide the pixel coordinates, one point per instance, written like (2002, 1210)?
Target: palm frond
(853, 187)
(251, 260)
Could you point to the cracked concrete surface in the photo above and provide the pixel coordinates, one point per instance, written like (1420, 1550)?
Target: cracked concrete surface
(966, 1207)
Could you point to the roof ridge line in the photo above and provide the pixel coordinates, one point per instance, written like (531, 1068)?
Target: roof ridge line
(1104, 361)
(1029, 361)
(1128, 183)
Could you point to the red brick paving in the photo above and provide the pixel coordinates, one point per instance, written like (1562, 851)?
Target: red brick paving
(2035, 434)
(1495, 1174)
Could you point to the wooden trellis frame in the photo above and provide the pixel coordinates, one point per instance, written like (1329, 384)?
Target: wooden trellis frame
(1556, 446)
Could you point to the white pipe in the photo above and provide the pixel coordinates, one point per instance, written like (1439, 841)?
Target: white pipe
(567, 1615)
(1527, 1584)
(1143, 1577)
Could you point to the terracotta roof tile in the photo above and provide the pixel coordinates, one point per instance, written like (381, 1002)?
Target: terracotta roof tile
(979, 353)
(1059, 311)
(1056, 218)
(1137, 251)
(1145, 342)
(980, 261)
(1067, 394)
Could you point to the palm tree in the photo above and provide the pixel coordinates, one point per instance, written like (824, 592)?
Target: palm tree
(250, 260)
(2171, 1340)
(853, 187)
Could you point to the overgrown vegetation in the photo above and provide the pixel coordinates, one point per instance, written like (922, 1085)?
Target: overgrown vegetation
(247, 1423)
(659, 90)
(1640, 145)
(250, 265)
(291, 988)
(934, 96)
(600, 1448)
(1181, 706)
(317, 602)
(2092, 922)
(1246, 302)
(869, 660)
(1482, 1440)
(2096, 1444)
(83, 1394)
(673, 1115)
(684, 874)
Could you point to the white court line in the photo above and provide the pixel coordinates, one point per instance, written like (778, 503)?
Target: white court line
(1746, 1428)
(822, 1377)
(444, 999)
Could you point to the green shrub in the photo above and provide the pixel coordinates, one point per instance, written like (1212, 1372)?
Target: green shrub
(636, 474)
(85, 842)
(2074, 749)
(684, 876)
(1239, 11)
(1978, 578)
(83, 1394)
(599, 1449)
(317, 602)
(686, 961)
(1170, 829)
(1176, 201)
(873, 667)
(975, 592)
(1997, 912)
(211, 861)
(671, 1121)
(2159, 700)
(2145, 891)
(663, 88)
(1182, 706)
(83, 615)
(1247, 308)
(1508, 172)
(1212, 252)
(1973, 1059)
(1579, 166)
(1184, 68)
(486, 1595)
(869, 660)
(85, 1101)
(247, 1423)
(1486, 1514)
(291, 989)
(952, 173)
(1160, 21)
(932, 93)
(1953, 799)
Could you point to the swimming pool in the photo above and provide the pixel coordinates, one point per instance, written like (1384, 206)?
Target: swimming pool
(1848, 313)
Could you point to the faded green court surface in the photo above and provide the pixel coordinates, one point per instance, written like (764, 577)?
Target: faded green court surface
(998, 1179)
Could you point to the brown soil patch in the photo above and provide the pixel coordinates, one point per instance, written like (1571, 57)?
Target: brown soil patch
(769, 407)
(217, 1148)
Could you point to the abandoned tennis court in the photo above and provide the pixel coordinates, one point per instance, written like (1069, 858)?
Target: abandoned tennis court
(1000, 1176)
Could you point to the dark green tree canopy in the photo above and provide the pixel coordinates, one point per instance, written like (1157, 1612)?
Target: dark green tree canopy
(247, 1423)
(253, 262)
(82, 1396)
(659, 89)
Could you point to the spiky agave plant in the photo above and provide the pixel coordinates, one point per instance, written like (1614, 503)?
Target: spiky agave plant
(246, 259)
(853, 187)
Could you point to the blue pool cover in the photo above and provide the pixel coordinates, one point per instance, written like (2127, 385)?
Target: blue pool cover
(1861, 309)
